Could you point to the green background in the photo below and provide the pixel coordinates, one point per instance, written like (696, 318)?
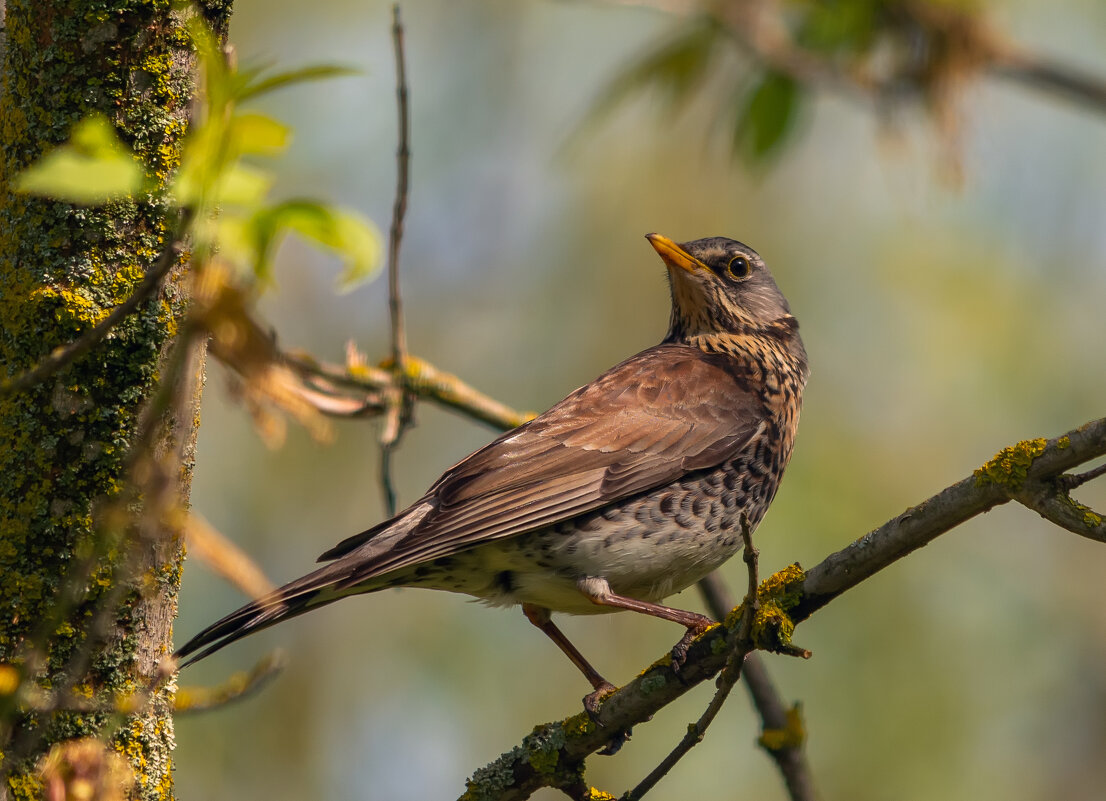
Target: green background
(942, 323)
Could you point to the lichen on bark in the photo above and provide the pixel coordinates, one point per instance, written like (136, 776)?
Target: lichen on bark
(65, 443)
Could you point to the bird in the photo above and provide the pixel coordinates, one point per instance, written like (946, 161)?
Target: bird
(629, 490)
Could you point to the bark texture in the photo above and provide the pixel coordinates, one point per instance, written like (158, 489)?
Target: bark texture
(86, 603)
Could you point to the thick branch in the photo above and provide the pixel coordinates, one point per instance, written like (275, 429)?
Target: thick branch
(920, 524)
(566, 744)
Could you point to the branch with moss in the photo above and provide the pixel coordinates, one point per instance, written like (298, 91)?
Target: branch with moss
(554, 755)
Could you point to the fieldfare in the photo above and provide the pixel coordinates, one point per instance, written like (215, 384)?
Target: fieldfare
(629, 490)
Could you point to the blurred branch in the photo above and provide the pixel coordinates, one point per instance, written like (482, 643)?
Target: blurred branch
(946, 37)
(791, 596)
(787, 753)
(236, 688)
(729, 676)
(399, 402)
(880, 54)
(225, 558)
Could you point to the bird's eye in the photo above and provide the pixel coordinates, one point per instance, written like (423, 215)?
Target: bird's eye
(738, 268)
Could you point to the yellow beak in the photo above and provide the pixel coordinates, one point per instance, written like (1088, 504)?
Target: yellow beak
(673, 254)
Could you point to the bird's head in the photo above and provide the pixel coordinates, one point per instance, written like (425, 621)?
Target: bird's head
(720, 287)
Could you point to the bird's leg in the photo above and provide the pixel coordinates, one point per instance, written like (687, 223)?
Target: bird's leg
(540, 617)
(599, 592)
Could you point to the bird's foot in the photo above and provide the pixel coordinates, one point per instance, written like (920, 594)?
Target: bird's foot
(593, 700)
(679, 650)
(614, 745)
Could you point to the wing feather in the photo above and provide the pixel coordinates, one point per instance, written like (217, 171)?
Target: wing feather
(645, 423)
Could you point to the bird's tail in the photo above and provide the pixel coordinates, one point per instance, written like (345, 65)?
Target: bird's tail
(316, 589)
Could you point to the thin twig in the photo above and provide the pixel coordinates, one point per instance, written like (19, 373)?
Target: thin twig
(423, 380)
(241, 685)
(726, 679)
(399, 207)
(65, 355)
(790, 759)
(1069, 482)
(1058, 507)
(399, 402)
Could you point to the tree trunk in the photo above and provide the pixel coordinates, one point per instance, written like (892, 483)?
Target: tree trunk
(87, 597)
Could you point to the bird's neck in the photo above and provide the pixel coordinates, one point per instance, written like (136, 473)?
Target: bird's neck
(775, 345)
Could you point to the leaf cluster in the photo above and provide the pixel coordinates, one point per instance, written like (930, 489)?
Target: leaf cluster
(219, 177)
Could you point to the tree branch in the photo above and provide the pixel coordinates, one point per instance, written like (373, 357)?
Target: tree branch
(788, 754)
(729, 676)
(554, 754)
(997, 482)
(399, 402)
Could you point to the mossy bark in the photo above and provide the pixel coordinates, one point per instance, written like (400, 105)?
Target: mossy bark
(65, 444)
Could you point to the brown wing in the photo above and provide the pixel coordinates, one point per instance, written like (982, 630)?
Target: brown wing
(661, 414)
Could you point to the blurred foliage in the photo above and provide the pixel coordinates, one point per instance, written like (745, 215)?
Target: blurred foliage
(216, 178)
(889, 51)
(941, 327)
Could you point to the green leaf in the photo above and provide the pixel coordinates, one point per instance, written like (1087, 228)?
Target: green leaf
(346, 233)
(840, 26)
(252, 88)
(93, 167)
(676, 68)
(241, 185)
(259, 134)
(767, 118)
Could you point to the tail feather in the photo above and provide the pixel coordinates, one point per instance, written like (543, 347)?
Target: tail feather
(360, 560)
(291, 600)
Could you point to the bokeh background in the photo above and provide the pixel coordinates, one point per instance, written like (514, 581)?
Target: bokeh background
(943, 323)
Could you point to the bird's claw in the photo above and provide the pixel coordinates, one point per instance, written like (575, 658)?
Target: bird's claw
(680, 649)
(593, 700)
(614, 745)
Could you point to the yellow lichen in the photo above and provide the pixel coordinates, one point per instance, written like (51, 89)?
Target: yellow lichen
(792, 735)
(599, 795)
(1010, 466)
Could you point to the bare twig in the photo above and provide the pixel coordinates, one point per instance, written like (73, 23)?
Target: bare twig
(729, 676)
(239, 686)
(398, 400)
(1068, 482)
(399, 207)
(790, 758)
(1058, 507)
(225, 558)
(65, 355)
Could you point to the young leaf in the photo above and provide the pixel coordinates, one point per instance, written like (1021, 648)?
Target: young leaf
(767, 118)
(317, 72)
(346, 233)
(258, 134)
(676, 67)
(93, 167)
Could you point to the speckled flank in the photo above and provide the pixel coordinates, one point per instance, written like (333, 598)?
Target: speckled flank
(61, 269)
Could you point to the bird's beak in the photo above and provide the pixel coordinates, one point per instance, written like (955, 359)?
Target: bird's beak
(673, 254)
